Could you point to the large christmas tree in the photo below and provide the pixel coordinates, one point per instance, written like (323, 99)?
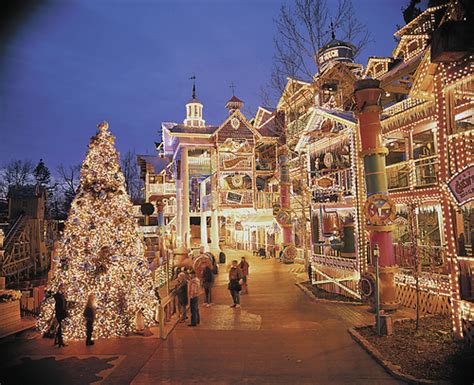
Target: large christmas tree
(101, 251)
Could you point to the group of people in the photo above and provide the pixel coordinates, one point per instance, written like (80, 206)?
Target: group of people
(188, 289)
(60, 313)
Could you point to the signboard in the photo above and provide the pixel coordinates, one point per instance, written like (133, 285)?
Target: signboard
(234, 198)
(461, 186)
(325, 182)
(341, 53)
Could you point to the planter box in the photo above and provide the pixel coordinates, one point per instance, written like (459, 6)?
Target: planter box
(9, 316)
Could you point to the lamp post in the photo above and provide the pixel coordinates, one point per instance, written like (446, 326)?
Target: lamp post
(376, 254)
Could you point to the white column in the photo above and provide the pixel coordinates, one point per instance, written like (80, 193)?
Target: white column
(215, 232)
(186, 228)
(179, 214)
(202, 194)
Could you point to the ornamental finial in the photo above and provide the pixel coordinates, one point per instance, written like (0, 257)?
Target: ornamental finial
(103, 126)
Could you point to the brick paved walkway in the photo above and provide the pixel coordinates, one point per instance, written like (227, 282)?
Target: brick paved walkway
(278, 337)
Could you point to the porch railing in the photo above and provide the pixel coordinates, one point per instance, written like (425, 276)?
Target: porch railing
(420, 172)
(266, 200)
(431, 256)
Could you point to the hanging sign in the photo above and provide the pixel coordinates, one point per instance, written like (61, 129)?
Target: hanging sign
(325, 182)
(461, 185)
(234, 198)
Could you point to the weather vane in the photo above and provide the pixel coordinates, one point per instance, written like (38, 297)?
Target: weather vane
(333, 34)
(193, 78)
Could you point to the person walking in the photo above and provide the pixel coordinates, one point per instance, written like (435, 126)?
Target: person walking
(60, 312)
(235, 275)
(244, 268)
(89, 315)
(194, 289)
(182, 294)
(207, 283)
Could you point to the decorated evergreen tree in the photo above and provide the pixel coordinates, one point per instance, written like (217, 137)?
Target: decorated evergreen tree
(101, 251)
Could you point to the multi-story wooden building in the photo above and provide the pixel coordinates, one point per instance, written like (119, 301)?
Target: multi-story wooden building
(222, 175)
(427, 126)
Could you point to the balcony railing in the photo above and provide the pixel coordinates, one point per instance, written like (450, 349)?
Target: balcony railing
(232, 162)
(426, 170)
(266, 200)
(398, 176)
(236, 198)
(342, 181)
(161, 189)
(431, 256)
(420, 172)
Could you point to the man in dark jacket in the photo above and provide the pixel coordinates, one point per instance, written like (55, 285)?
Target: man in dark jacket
(60, 312)
(207, 283)
(235, 275)
(182, 294)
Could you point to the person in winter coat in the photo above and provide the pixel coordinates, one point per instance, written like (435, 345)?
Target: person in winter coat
(244, 268)
(194, 291)
(235, 275)
(182, 294)
(207, 283)
(89, 315)
(60, 312)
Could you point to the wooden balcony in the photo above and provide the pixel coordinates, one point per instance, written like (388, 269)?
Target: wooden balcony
(266, 200)
(236, 198)
(161, 189)
(417, 173)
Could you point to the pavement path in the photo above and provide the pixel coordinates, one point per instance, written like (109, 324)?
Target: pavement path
(278, 336)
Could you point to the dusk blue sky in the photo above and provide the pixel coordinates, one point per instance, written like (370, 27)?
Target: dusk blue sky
(66, 65)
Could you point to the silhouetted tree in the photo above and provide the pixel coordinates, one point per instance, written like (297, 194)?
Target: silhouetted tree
(17, 173)
(42, 174)
(132, 176)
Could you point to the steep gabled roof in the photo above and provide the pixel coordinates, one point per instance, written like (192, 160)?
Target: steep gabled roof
(242, 118)
(423, 23)
(262, 115)
(270, 128)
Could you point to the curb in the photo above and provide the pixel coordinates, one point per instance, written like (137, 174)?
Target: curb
(312, 297)
(392, 369)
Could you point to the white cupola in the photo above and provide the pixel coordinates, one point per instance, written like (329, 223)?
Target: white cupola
(194, 111)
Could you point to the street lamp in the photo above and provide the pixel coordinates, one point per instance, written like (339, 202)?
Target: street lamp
(376, 254)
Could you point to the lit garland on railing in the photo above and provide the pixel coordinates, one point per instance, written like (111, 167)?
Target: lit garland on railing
(433, 283)
(101, 252)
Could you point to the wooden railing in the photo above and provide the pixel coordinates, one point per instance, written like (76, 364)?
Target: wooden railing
(398, 176)
(162, 188)
(420, 172)
(342, 179)
(431, 256)
(226, 198)
(426, 171)
(266, 200)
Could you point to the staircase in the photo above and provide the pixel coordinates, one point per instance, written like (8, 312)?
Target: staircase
(15, 257)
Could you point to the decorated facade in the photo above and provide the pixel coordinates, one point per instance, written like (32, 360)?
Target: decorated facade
(404, 189)
(222, 175)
